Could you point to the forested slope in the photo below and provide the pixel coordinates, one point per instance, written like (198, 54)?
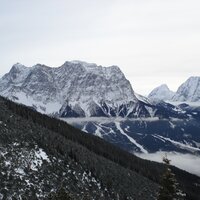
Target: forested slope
(40, 154)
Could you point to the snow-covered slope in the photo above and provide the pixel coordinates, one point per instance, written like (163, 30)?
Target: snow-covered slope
(74, 89)
(144, 135)
(161, 93)
(188, 91)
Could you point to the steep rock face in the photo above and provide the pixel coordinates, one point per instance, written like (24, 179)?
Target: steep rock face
(14, 79)
(161, 93)
(74, 89)
(189, 90)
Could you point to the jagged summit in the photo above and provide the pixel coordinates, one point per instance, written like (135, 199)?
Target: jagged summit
(189, 90)
(76, 88)
(18, 66)
(161, 92)
(93, 68)
(15, 75)
(83, 63)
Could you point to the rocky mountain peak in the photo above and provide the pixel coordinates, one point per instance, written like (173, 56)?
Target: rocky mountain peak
(18, 66)
(16, 74)
(76, 86)
(92, 68)
(161, 92)
(189, 90)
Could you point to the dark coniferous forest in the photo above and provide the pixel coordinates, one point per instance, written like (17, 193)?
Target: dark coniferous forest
(42, 157)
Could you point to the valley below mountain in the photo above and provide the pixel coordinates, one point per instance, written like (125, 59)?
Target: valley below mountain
(100, 101)
(144, 134)
(149, 137)
(41, 156)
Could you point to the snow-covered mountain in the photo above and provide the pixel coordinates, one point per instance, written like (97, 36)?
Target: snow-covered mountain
(161, 92)
(75, 89)
(189, 90)
(83, 90)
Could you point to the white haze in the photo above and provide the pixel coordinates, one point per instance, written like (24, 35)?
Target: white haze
(187, 162)
(153, 41)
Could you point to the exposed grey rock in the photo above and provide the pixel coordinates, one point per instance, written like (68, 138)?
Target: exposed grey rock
(189, 90)
(161, 92)
(74, 89)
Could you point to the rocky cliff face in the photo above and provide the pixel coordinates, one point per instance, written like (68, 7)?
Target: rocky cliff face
(74, 89)
(161, 92)
(189, 90)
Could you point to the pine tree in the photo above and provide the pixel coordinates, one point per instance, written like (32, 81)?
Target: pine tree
(169, 189)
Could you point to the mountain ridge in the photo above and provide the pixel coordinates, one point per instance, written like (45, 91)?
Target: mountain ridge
(161, 92)
(188, 91)
(77, 88)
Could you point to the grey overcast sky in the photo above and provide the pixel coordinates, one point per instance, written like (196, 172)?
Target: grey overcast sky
(152, 41)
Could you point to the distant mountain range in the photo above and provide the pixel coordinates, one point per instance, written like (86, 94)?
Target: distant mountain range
(100, 100)
(189, 91)
(75, 89)
(161, 92)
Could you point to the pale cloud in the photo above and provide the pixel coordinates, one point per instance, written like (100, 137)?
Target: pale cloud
(153, 41)
(186, 162)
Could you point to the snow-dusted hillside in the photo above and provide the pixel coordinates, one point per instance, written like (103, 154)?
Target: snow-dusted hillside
(74, 89)
(161, 92)
(39, 163)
